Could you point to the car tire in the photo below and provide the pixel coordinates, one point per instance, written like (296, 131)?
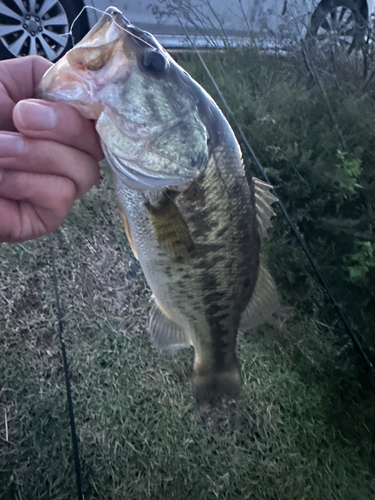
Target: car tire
(337, 22)
(26, 32)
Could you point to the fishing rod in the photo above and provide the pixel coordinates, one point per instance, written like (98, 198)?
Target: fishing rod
(66, 373)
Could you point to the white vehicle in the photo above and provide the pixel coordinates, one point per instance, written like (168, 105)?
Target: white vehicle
(41, 26)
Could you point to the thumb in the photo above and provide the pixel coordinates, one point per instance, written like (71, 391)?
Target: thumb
(34, 115)
(58, 122)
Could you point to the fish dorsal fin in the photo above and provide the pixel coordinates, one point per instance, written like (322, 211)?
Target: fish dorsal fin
(263, 201)
(170, 228)
(164, 333)
(264, 302)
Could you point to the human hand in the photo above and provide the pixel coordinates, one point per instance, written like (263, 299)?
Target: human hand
(49, 154)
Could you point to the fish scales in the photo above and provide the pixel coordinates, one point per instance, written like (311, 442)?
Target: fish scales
(205, 293)
(190, 214)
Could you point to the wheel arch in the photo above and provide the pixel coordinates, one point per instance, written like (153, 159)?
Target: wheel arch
(361, 4)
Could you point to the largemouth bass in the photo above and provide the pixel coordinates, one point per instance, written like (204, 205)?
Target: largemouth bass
(192, 219)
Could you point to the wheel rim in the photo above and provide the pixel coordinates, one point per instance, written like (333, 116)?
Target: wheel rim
(339, 27)
(30, 27)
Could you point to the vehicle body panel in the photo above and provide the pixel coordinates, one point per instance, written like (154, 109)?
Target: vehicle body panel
(212, 21)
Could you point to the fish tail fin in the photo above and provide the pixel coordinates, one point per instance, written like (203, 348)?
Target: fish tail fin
(211, 387)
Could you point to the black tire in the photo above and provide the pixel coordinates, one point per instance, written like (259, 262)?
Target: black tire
(337, 22)
(20, 36)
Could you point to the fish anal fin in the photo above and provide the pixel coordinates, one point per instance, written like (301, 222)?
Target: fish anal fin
(165, 334)
(171, 231)
(129, 233)
(264, 303)
(263, 203)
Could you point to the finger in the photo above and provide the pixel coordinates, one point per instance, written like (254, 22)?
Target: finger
(43, 190)
(16, 225)
(19, 77)
(18, 80)
(48, 158)
(32, 205)
(58, 122)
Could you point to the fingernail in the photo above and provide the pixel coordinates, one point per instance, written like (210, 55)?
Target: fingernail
(35, 115)
(11, 144)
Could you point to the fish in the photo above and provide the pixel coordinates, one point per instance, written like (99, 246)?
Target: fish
(192, 219)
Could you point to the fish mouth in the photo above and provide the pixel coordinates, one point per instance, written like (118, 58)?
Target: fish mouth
(61, 84)
(78, 77)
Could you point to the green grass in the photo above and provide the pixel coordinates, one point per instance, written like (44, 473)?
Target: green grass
(302, 429)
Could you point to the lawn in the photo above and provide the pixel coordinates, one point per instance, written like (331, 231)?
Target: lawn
(303, 427)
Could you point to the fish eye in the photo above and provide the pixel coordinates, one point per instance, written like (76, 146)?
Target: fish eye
(153, 61)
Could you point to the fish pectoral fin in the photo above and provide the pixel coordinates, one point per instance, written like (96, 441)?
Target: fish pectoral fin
(165, 334)
(263, 201)
(128, 233)
(171, 231)
(264, 302)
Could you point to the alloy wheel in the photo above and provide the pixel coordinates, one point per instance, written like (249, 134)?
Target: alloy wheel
(30, 27)
(339, 27)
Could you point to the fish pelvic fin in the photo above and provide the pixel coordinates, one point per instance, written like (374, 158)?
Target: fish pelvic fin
(171, 231)
(264, 303)
(165, 334)
(263, 201)
(212, 387)
(129, 233)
